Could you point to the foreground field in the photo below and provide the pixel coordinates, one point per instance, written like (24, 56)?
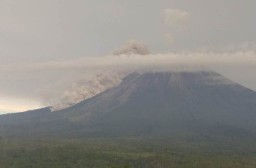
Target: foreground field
(128, 153)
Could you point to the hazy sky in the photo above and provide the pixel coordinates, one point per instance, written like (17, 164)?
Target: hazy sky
(43, 41)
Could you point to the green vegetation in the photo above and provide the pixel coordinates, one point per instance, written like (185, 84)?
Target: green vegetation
(128, 153)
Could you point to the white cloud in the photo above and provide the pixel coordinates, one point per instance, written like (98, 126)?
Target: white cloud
(176, 18)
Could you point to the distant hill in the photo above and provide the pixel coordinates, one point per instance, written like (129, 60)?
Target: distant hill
(153, 104)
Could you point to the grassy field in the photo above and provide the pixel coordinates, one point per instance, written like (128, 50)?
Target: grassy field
(128, 153)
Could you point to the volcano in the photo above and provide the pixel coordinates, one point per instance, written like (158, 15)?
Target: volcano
(151, 104)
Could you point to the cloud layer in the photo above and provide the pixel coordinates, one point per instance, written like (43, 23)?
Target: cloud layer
(66, 82)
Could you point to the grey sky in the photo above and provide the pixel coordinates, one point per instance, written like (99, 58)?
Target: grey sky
(36, 31)
(49, 29)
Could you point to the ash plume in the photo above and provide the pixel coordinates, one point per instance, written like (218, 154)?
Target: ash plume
(85, 89)
(132, 47)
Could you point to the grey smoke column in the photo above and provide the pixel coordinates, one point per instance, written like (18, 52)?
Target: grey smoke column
(132, 47)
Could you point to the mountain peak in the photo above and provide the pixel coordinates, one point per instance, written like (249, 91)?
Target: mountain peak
(179, 78)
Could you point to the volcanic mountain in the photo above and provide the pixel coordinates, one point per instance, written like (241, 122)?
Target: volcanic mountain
(152, 104)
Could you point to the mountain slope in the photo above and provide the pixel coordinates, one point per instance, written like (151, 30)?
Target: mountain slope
(168, 102)
(153, 104)
(39, 123)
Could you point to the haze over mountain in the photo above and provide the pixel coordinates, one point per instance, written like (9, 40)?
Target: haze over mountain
(150, 104)
(46, 48)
